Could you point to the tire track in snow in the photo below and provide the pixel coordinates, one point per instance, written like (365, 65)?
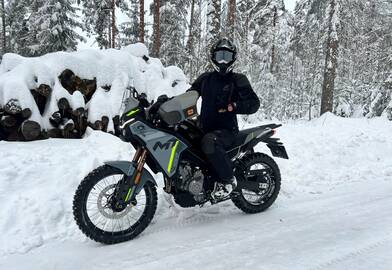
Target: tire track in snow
(357, 252)
(201, 218)
(173, 224)
(186, 248)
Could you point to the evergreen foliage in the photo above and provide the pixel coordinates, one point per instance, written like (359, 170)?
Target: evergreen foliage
(52, 27)
(129, 30)
(342, 48)
(173, 26)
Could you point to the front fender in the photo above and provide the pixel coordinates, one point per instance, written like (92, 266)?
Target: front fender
(128, 168)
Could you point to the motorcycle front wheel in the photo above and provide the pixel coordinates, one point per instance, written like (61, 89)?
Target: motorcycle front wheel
(94, 215)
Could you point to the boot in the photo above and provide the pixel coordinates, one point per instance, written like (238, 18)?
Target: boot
(223, 190)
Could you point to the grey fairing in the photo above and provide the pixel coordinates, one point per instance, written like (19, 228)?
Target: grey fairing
(128, 168)
(161, 146)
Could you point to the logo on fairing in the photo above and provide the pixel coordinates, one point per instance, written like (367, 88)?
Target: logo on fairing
(170, 143)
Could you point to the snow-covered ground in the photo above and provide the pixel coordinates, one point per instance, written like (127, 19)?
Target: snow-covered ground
(334, 210)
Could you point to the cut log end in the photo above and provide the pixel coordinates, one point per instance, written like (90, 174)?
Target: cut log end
(13, 107)
(68, 131)
(26, 113)
(55, 133)
(79, 112)
(56, 119)
(8, 121)
(31, 130)
(44, 90)
(105, 123)
(98, 125)
(66, 80)
(63, 104)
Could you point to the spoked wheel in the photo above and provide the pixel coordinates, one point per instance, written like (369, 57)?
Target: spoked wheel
(263, 170)
(96, 216)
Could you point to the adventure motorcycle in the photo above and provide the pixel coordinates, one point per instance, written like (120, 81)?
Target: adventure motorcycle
(117, 201)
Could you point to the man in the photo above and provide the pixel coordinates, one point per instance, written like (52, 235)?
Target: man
(224, 95)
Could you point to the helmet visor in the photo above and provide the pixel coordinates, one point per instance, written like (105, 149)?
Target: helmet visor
(223, 57)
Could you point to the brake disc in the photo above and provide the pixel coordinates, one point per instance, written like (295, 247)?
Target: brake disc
(104, 206)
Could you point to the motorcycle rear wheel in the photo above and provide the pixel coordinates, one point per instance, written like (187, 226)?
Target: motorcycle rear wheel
(251, 201)
(105, 225)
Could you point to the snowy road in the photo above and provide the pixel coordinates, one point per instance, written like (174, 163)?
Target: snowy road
(334, 210)
(349, 226)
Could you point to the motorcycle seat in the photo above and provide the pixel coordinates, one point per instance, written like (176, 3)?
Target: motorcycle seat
(246, 135)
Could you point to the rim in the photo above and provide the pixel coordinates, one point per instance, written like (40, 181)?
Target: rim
(267, 185)
(103, 217)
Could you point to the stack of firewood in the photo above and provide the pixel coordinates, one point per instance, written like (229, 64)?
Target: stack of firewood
(67, 122)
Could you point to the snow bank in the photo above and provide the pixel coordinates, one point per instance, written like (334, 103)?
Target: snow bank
(330, 151)
(130, 66)
(38, 179)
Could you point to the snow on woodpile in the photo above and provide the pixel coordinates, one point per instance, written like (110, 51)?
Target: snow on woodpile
(60, 94)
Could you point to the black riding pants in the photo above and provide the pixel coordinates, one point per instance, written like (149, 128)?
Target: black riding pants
(214, 145)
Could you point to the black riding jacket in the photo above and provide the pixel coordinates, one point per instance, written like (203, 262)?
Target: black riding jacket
(217, 91)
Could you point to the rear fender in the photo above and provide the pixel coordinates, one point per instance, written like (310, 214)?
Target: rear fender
(277, 148)
(274, 144)
(128, 168)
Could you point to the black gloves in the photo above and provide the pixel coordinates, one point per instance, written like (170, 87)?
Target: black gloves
(155, 107)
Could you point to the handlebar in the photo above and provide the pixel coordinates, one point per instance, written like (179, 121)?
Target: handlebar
(142, 98)
(145, 103)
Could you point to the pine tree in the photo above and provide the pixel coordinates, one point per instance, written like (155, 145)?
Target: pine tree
(266, 53)
(372, 50)
(265, 33)
(231, 17)
(113, 26)
(141, 21)
(196, 56)
(173, 19)
(213, 21)
(3, 37)
(156, 36)
(129, 31)
(190, 42)
(243, 27)
(99, 20)
(16, 16)
(362, 28)
(309, 45)
(54, 24)
(331, 58)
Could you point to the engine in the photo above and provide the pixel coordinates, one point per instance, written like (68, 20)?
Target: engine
(191, 180)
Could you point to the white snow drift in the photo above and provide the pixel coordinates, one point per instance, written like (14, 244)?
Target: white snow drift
(333, 211)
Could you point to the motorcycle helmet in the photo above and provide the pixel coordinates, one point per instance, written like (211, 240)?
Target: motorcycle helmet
(223, 54)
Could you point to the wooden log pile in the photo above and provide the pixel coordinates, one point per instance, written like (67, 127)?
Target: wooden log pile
(67, 122)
